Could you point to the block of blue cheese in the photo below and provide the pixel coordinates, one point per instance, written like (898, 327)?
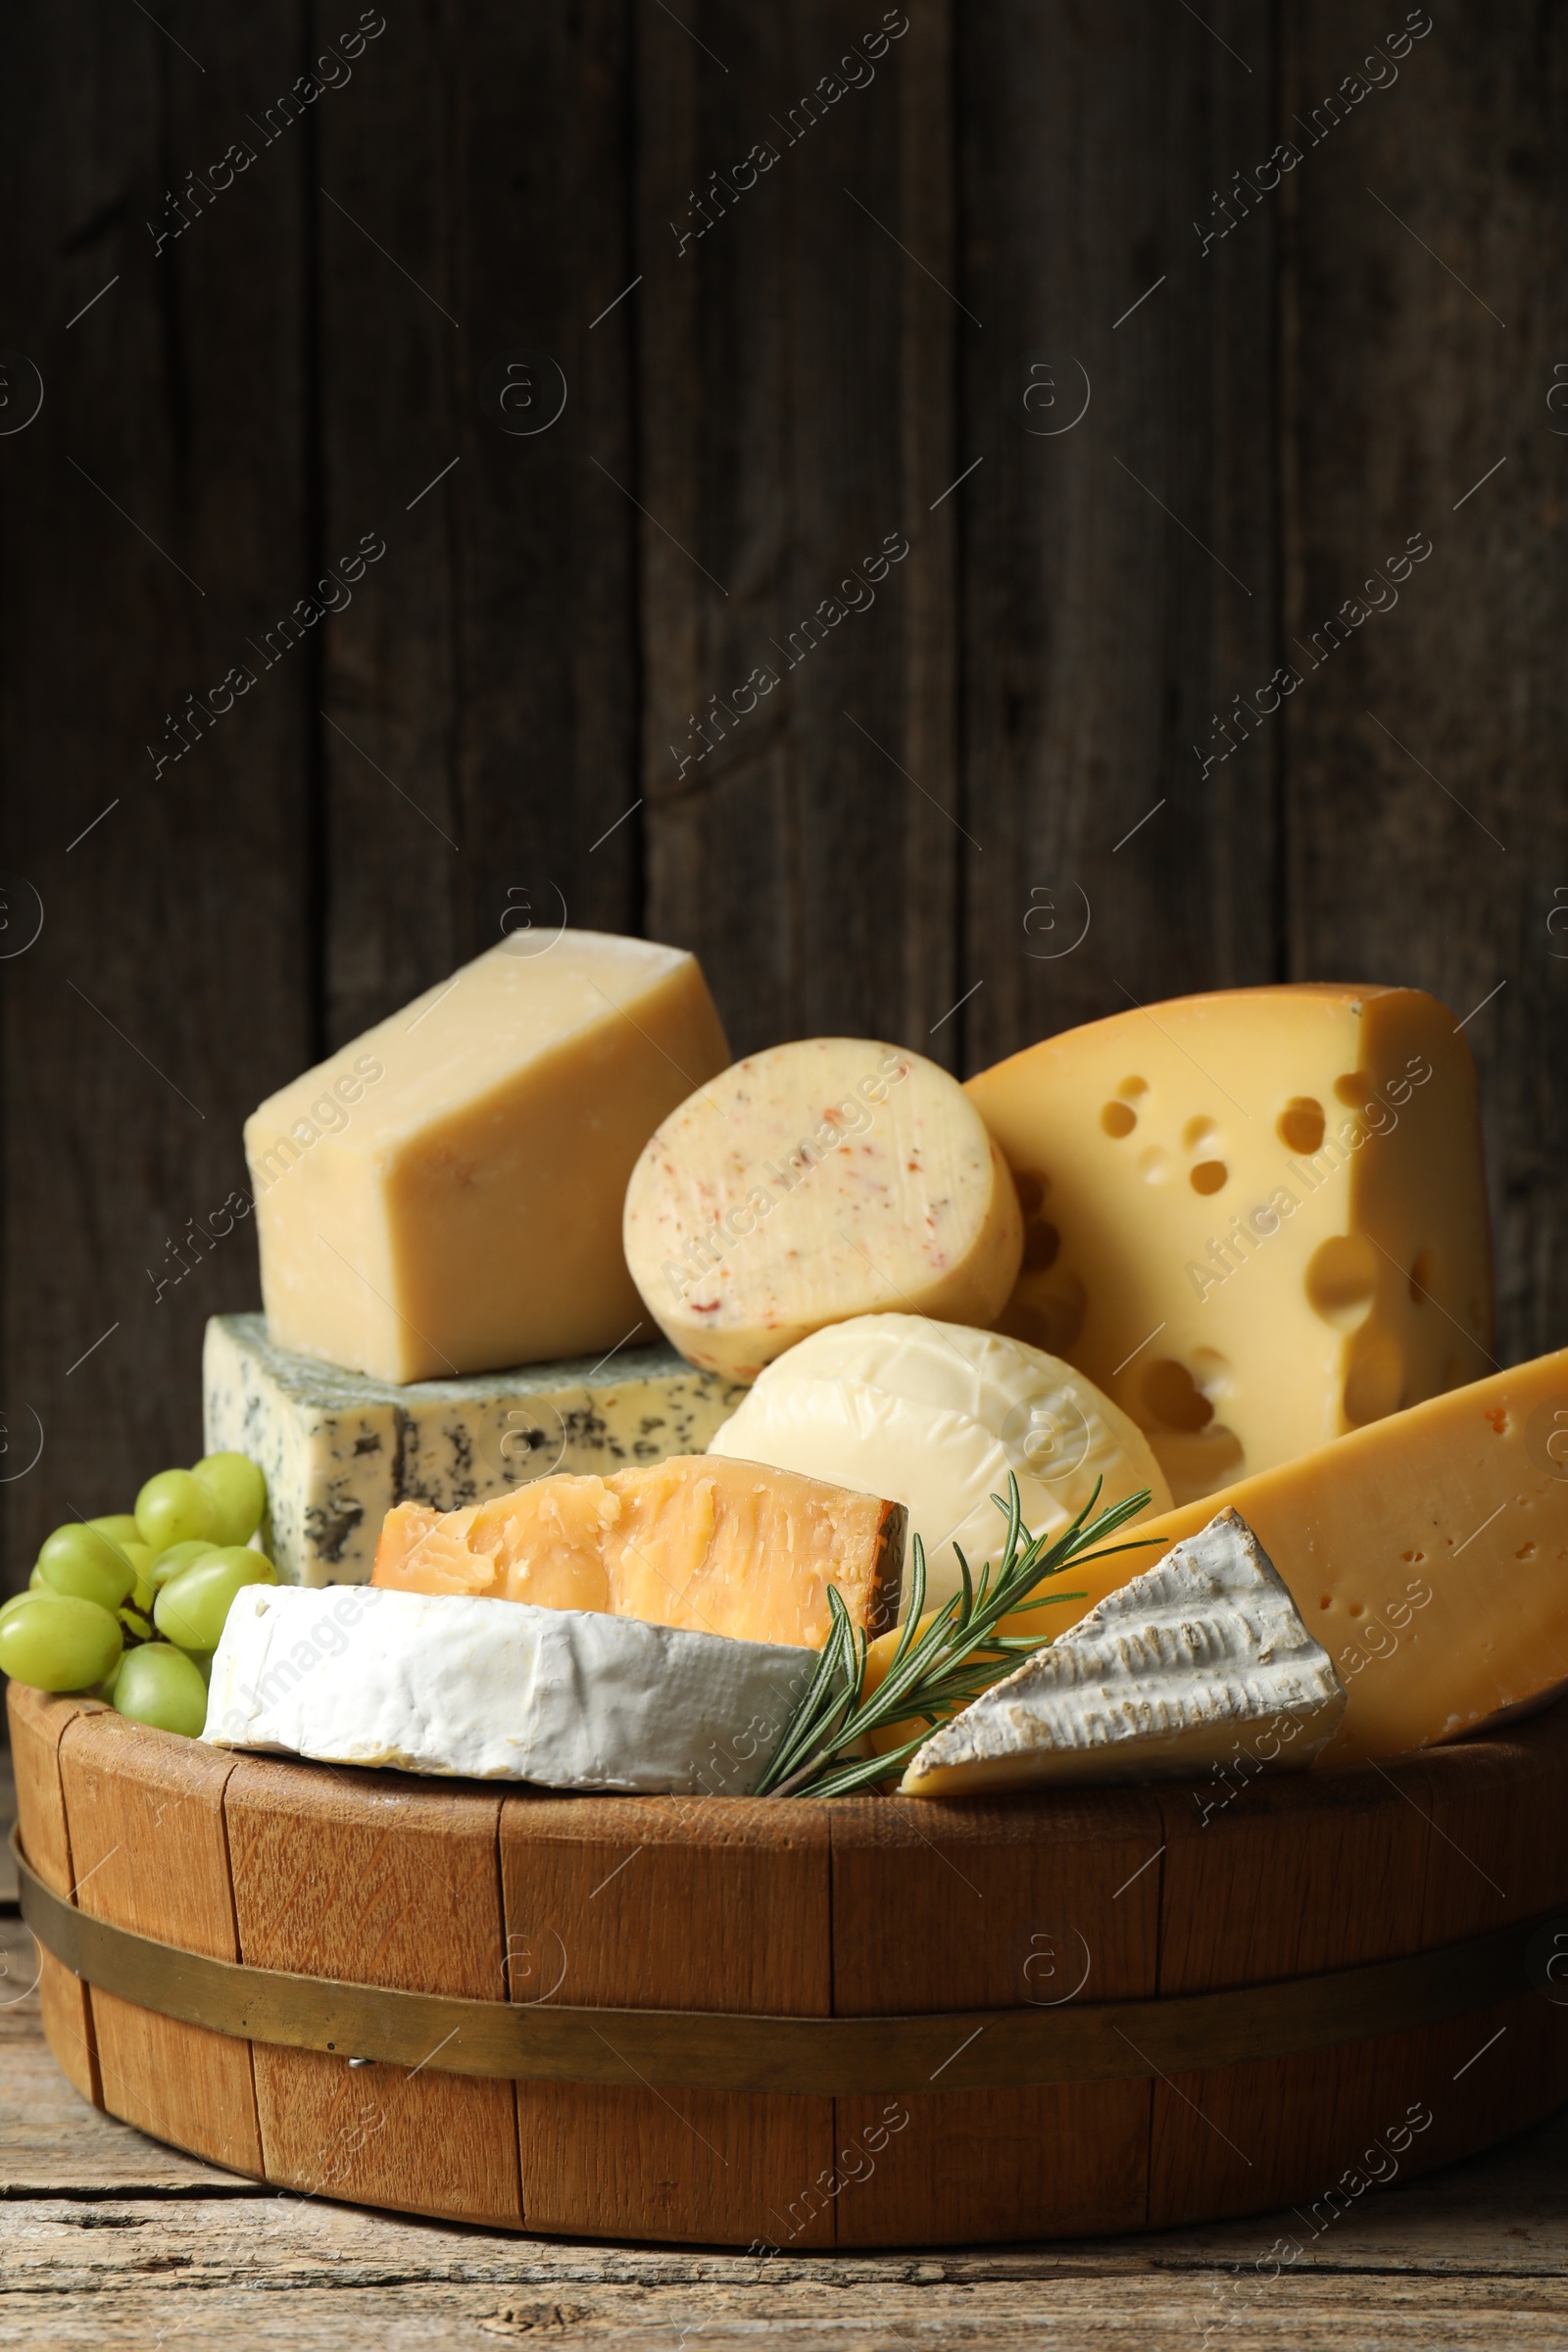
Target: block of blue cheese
(339, 1448)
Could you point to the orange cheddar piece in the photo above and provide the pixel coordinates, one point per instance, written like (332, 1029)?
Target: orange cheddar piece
(716, 1547)
(1428, 1553)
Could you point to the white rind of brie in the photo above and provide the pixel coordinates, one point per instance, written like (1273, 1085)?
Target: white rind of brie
(1202, 1656)
(496, 1690)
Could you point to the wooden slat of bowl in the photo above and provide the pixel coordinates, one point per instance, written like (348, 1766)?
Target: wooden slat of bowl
(1295, 1875)
(1303, 1874)
(986, 1905)
(851, 1908)
(678, 1903)
(148, 1843)
(384, 1880)
(38, 1723)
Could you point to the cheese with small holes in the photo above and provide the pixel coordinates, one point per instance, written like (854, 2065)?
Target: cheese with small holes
(1201, 1660)
(936, 1415)
(446, 1685)
(338, 1449)
(720, 1546)
(1429, 1554)
(443, 1196)
(1256, 1220)
(819, 1180)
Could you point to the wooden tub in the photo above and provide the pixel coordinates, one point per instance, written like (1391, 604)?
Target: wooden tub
(988, 2011)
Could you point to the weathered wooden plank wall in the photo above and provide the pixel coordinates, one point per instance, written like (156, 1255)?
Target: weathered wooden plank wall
(795, 338)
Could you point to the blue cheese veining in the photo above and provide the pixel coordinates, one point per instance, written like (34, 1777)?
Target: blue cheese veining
(339, 1449)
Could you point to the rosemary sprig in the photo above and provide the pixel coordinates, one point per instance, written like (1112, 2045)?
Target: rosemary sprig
(935, 1671)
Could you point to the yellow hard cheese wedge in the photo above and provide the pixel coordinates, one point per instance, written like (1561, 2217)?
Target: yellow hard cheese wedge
(1429, 1554)
(716, 1547)
(1255, 1219)
(443, 1196)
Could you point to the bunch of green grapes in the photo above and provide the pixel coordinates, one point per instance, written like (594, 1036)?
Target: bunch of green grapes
(130, 1607)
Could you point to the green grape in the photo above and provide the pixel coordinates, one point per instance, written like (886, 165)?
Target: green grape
(239, 1491)
(191, 1607)
(58, 1642)
(37, 1582)
(15, 1602)
(161, 1685)
(79, 1560)
(140, 1556)
(141, 1598)
(173, 1508)
(135, 1622)
(119, 1525)
(179, 1556)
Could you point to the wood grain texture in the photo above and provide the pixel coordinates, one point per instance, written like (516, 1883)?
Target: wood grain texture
(1118, 571)
(8, 1814)
(480, 699)
(1499, 1850)
(795, 367)
(1081, 2315)
(146, 1816)
(38, 1724)
(706, 1903)
(1303, 1874)
(389, 1881)
(1295, 1874)
(1427, 823)
(104, 2236)
(155, 517)
(989, 1905)
(749, 1906)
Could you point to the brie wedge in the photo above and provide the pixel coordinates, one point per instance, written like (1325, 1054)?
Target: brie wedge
(499, 1691)
(1204, 1659)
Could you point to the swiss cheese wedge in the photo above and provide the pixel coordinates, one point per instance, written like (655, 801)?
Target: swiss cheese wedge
(1428, 1555)
(1255, 1219)
(715, 1547)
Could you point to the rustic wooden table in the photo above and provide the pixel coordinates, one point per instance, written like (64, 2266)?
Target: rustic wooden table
(107, 2238)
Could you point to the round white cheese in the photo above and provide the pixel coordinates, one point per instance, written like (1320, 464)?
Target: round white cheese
(819, 1180)
(934, 1415)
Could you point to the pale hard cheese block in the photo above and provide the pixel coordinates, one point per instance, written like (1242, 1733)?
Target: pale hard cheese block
(445, 1684)
(1190, 1662)
(1429, 1554)
(338, 1449)
(828, 1178)
(721, 1547)
(443, 1196)
(936, 1415)
(1256, 1220)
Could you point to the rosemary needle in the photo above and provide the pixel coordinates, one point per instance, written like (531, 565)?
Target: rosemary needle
(936, 1671)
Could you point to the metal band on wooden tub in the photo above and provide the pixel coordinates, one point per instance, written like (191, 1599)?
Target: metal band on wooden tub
(1091, 2041)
